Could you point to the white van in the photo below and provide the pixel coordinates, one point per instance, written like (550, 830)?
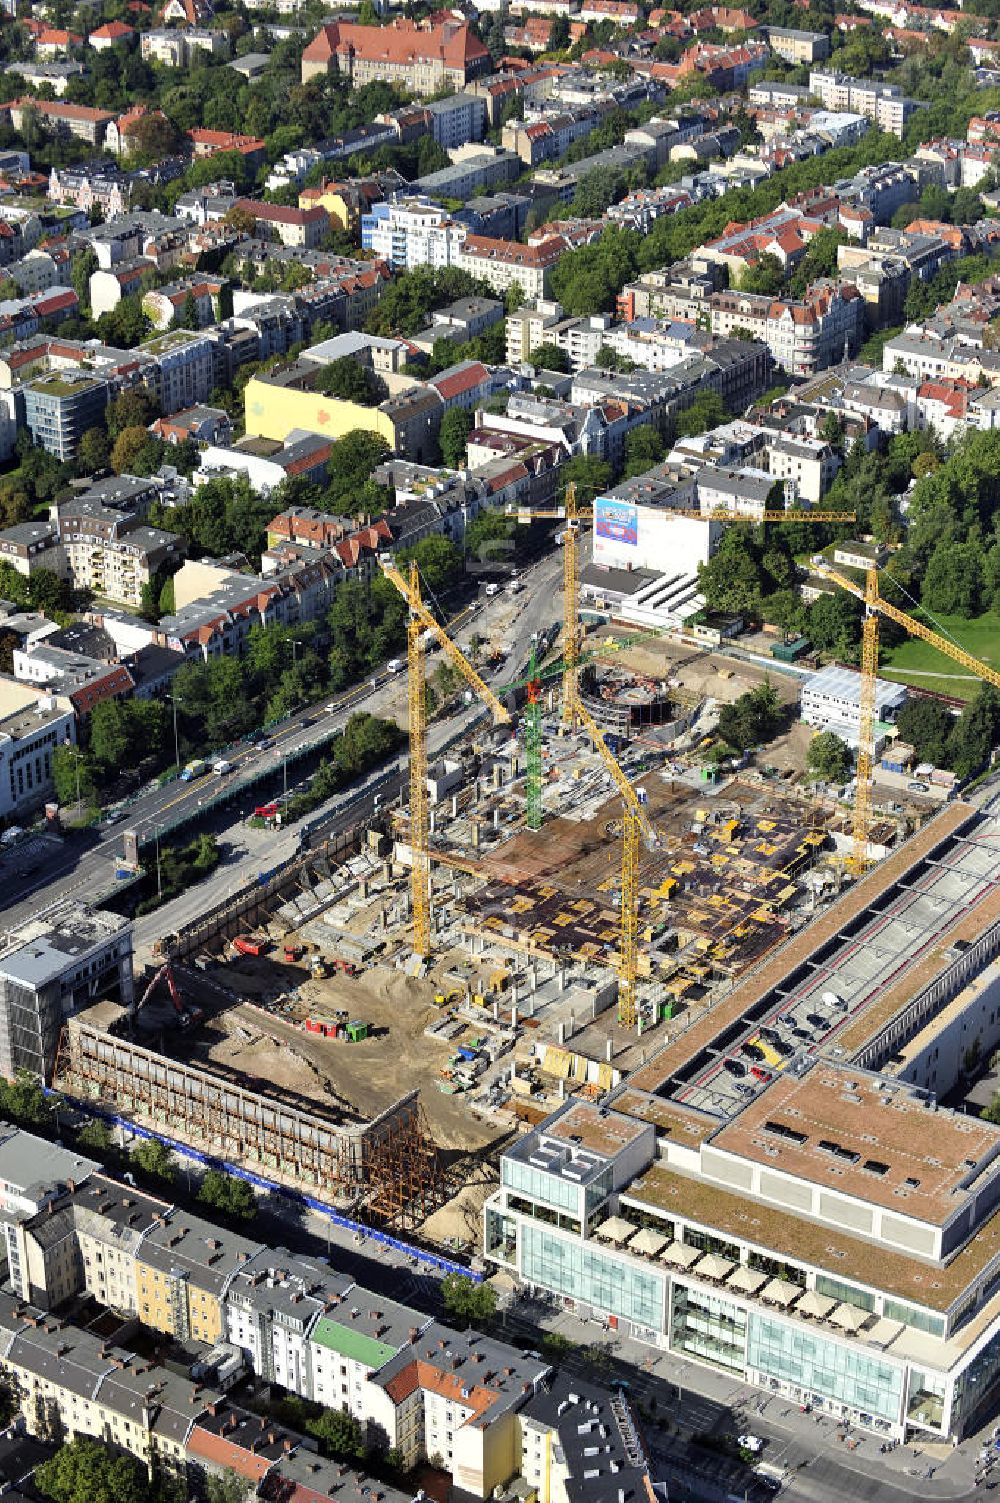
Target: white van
(491, 590)
(221, 767)
(394, 665)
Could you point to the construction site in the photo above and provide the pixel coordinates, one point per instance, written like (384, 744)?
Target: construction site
(307, 1024)
(556, 901)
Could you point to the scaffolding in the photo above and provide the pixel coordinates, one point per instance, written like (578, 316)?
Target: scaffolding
(388, 1166)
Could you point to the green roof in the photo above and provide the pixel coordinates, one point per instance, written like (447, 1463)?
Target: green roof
(352, 1343)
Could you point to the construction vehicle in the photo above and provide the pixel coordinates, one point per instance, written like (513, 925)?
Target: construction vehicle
(186, 1015)
(246, 944)
(420, 622)
(293, 953)
(876, 605)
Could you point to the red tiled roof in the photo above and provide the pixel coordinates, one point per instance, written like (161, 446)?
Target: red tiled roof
(453, 44)
(112, 31)
(473, 375)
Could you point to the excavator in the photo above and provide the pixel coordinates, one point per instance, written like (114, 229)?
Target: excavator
(186, 1016)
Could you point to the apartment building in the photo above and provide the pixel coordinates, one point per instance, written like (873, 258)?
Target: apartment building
(408, 232)
(885, 104)
(804, 335)
(59, 408)
(505, 263)
(178, 369)
(60, 118)
(797, 47)
(302, 227)
(111, 550)
(421, 59)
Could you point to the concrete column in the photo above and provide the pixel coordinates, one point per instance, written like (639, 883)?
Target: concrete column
(561, 1033)
(561, 979)
(475, 834)
(496, 1012)
(608, 1051)
(513, 1016)
(433, 820)
(562, 1090)
(513, 993)
(496, 819)
(532, 976)
(454, 806)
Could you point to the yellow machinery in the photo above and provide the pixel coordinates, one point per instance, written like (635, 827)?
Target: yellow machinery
(875, 605)
(420, 621)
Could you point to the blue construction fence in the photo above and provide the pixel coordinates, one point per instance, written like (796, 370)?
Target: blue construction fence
(260, 1182)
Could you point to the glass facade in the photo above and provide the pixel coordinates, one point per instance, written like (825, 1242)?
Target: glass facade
(824, 1368)
(973, 1385)
(539, 1184)
(846, 1294)
(605, 1280)
(910, 1315)
(925, 1400)
(501, 1236)
(708, 1327)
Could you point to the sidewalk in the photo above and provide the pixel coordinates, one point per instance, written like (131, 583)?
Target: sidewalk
(699, 1400)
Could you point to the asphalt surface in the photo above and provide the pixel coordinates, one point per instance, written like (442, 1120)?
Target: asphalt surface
(84, 865)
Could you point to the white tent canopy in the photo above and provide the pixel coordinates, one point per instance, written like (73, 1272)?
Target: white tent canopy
(648, 1241)
(780, 1292)
(848, 1317)
(746, 1280)
(680, 1254)
(817, 1305)
(712, 1266)
(616, 1229)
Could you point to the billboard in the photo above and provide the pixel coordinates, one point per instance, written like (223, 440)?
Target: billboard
(618, 521)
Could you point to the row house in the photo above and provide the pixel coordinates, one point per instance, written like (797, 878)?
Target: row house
(804, 335)
(422, 59)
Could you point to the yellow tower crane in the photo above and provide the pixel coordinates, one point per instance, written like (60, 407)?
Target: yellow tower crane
(635, 827)
(875, 605)
(421, 620)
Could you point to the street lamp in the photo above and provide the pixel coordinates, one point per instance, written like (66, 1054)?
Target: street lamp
(177, 749)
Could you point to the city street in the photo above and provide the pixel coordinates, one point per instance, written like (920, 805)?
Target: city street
(84, 864)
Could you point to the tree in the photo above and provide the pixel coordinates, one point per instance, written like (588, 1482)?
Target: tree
(339, 1434)
(92, 452)
(229, 1488)
(953, 582)
(23, 1100)
(467, 1301)
(828, 759)
(589, 474)
(348, 381)
(229, 1194)
(86, 1471)
(96, 1135)
(752, 719)
(456, 425)
(644, 448)
(73, 774)
(132, 408)
(154, 1159)
(707, 411)
(976, 733)
(188, 317)
(927, 725)
(550, 357)
(82, 267)
(127, 447)
(559, 34)
(766, 275)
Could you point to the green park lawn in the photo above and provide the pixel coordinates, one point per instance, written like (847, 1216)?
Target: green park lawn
(918, 663)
